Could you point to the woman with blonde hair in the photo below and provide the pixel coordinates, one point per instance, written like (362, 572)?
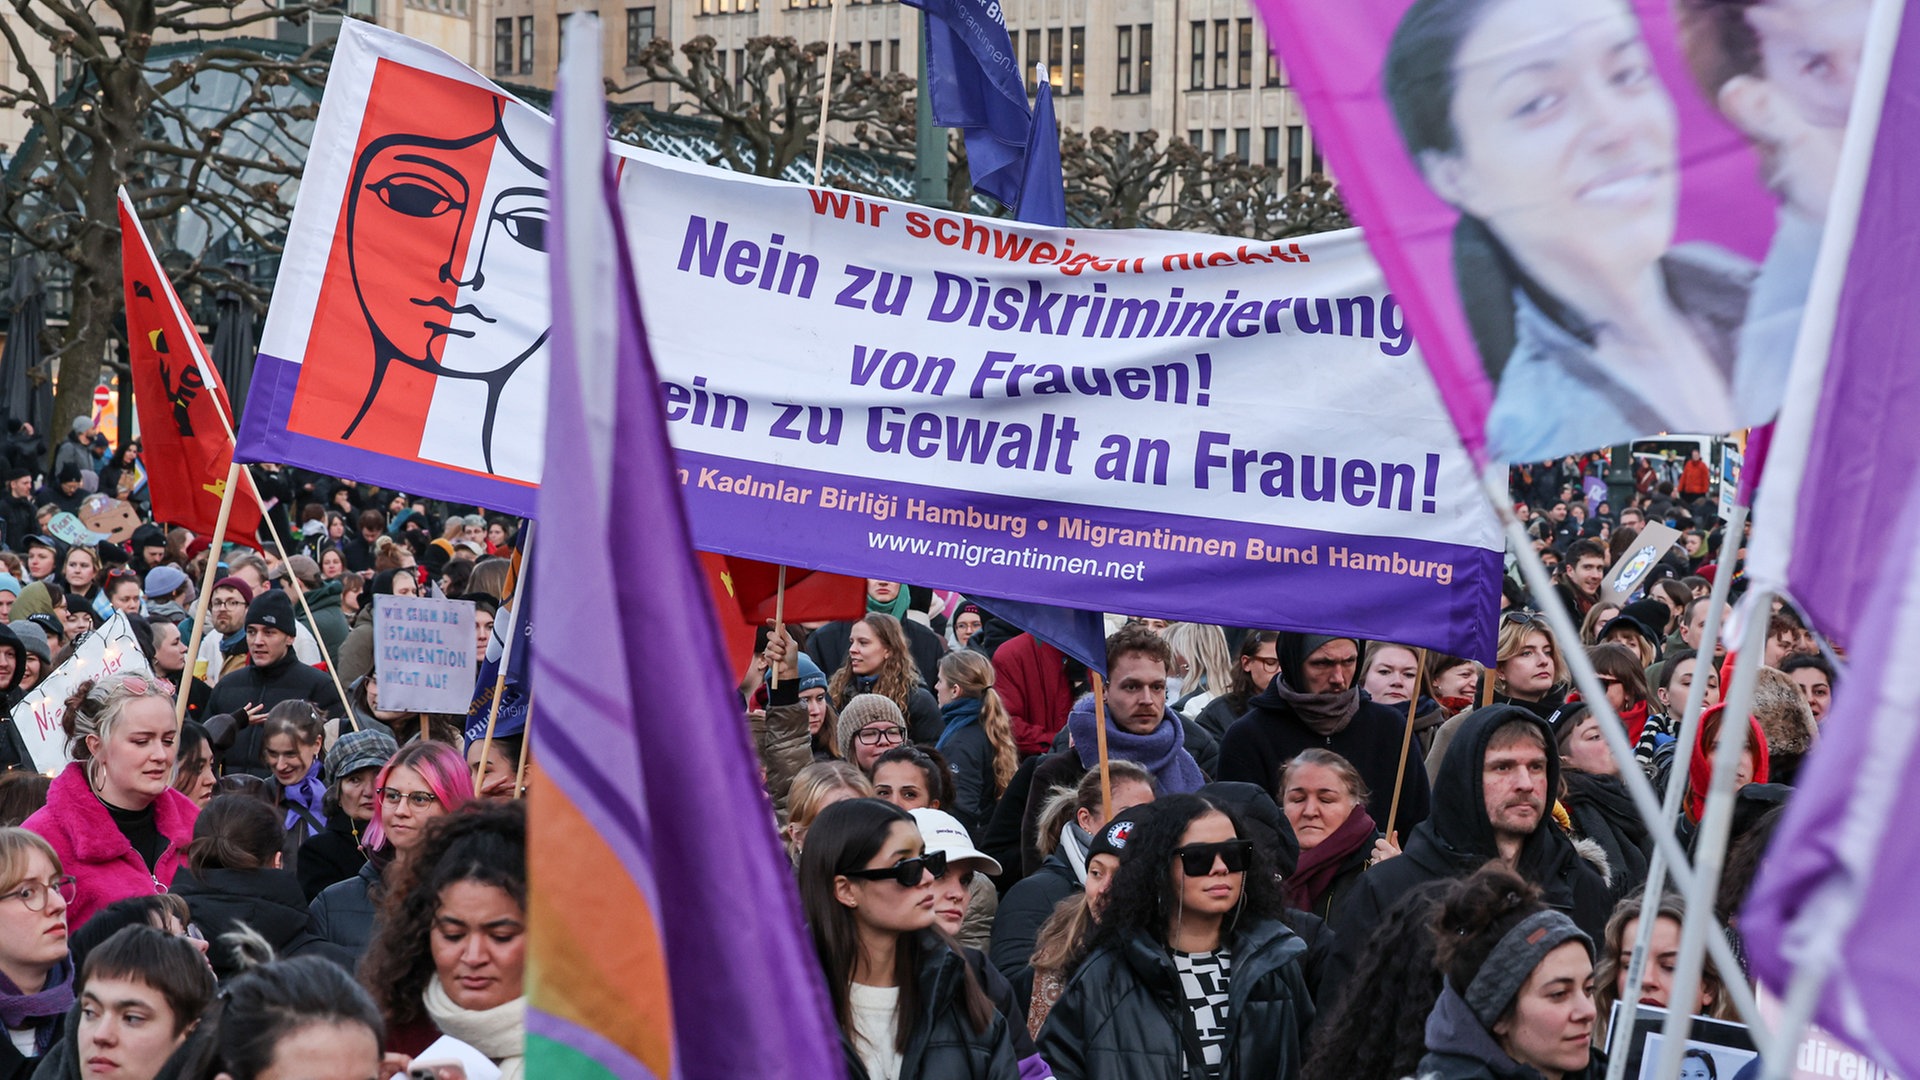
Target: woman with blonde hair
(977, 740)
(1202, 664)
(879, 662)
(36, 974)
(1529, 670)
(815, 788)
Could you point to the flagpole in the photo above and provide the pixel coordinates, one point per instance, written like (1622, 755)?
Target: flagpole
(1406, 739)
(779, 620)
(1710, 844)
(1100, 743)
(826, 90)
(1587, 679)
(526, 743)
(207, 579)
(520, 600)
(1677, 778)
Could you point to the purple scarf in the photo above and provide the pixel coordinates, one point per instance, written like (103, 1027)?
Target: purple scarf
(19, 1010)
(309, 793)
(1160, 752)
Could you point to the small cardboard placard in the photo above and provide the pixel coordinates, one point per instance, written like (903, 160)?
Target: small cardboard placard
(423, 653)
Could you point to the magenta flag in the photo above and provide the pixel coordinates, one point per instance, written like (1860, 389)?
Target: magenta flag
(1571, 201)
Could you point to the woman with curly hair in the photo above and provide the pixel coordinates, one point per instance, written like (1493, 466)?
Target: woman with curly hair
(878, 662)
(1192, 972)
(978, 738)
(1376, 1030)
(451, 953)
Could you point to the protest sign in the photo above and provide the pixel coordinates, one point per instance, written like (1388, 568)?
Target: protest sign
(1238, 432)
(1602, 218)
(423, 653)
(1629, 573)
(1715, 1048)
(110, 650)
(1730, 465)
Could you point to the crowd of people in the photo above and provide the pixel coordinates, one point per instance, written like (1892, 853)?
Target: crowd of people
(1307, 856)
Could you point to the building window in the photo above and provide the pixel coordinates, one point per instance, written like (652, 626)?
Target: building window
(739, 69)
(1145, 82)
(1273, 65)
(1296, 154)
(526, 44)
(1319, 167)
(875, 55)
(1198, 79)
(1054, 54)
(639, 33)
(503, 46)
(1219, 142)
(1123, 62)
(1197, 139)
(1271, 157)
(1243, 68)
(1219, 53)
(1077, 60)
(1243, 144)
(893, 56)
(1033, 62)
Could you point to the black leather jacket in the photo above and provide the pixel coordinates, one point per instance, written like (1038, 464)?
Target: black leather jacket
(944, 1045)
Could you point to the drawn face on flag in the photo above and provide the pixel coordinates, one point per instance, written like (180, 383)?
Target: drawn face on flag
(444, 318)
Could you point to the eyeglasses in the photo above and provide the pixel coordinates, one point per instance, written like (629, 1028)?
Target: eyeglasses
(33, 894)
(228, 604)
(1522, 618)
(879, 736)
(420, 800)
(1197, 859)
(1272, 662)
(906, 873)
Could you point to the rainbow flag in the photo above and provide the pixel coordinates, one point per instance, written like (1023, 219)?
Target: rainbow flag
(666, 937)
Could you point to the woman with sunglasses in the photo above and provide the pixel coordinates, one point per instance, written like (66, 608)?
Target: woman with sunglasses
(908, 1004)
(425, 780)
(113, 814)
(1192, 974)
(36, 976)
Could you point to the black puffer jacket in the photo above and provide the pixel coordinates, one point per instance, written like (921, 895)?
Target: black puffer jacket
(284, 680)
(330, 856)
(1025, 908)
(1120, 1018)
(343, 913)
(1458, 838)
(267, 901)
(944, 1045)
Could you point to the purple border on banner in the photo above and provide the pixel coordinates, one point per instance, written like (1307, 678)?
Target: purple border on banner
(1219, 580)
(265, 436)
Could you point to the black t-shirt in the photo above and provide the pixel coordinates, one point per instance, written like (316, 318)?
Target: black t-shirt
(141, 831)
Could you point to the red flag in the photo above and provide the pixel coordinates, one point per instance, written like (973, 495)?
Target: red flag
(812, 595)
(186, 425)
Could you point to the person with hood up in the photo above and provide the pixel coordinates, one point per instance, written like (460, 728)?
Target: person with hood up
(1518, 999)
(1490, 804)
(237, 879)
(1193, 974)
(13, 666)
(1315, 701)
(272, 675)
(18, 515)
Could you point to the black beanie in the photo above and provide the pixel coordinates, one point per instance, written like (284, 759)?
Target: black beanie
(272, 608)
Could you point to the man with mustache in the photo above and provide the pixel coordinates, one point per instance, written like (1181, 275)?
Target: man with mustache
(1490, 803)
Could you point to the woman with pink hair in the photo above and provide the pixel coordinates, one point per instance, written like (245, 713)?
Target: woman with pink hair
(425, 780)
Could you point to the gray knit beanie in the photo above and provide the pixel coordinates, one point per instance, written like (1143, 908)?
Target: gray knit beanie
(864, 710)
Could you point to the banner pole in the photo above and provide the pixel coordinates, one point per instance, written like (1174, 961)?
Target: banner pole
(779, 620)
(1406, 739)
(1677, 779)
(1588, 681)
(1710, 844)
(300, 593)
(1100, 742)
(826, 90)
(526, 743)
(211, 575)
(506, 655)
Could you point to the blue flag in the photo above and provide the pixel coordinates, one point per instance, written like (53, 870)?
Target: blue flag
(1080, 634)
(974, 85)
(1043, 191)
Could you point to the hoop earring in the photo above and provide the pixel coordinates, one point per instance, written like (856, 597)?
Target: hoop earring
(97, 786)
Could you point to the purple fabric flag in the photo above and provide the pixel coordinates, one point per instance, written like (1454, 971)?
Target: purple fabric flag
(1835, 894)
(666, 940)
(1080, 634)
(974, 85)
(1043, 190)
(1846, 435)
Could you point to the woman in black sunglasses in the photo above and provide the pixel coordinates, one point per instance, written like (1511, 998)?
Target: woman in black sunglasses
(907, 1003)
(1192, 976)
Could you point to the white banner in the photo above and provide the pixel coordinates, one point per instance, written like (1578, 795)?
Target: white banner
(110, 650)
(424, 653)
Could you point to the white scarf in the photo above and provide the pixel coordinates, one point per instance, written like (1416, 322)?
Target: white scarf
(500, 1032)
(1073, 843)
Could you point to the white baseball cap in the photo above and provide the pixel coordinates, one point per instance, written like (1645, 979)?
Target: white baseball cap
(942, 832)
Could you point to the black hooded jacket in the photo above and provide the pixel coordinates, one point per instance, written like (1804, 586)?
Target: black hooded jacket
(1459, 838)
(13, 749)
(1269, 735)
(1121, 1016)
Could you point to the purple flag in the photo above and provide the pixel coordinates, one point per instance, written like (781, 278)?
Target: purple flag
(974, 85)
(667, 940)
(1043, 190)
(1080, 634)
(1846, 437)
(1836, 891)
